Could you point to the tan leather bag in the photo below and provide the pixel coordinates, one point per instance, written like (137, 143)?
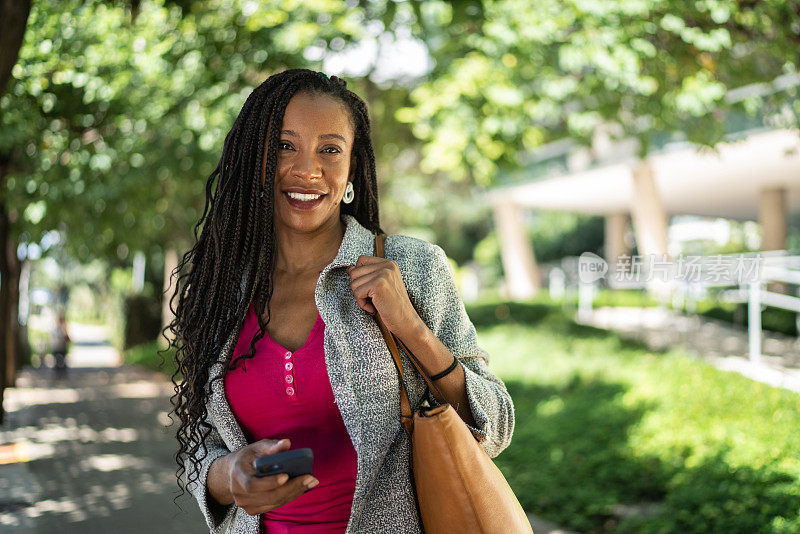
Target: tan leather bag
(459, 489)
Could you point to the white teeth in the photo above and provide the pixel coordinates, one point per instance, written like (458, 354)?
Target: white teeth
(300, 196)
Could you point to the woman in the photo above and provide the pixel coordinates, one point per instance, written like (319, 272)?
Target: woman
(275, 335)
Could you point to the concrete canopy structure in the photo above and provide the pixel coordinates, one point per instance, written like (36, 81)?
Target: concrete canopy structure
(691, 182)
(755, 176)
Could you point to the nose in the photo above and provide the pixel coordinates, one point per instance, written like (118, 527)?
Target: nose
(307, 166)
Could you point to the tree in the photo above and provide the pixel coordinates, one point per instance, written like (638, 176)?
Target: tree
(115, 115)
(513, 75)
(13, 19)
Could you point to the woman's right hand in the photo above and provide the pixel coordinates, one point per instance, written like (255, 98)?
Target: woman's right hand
(256, 495)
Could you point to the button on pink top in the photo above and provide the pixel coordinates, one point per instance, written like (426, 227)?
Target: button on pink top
(284, 394)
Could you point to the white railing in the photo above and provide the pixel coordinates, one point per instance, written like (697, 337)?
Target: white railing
(770, 268)
(781, 269)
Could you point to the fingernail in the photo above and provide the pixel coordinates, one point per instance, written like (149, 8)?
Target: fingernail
(282, 478)
(312, 483)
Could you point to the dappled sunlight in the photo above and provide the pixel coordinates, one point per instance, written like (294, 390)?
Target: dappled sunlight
(25, 451)
(93, 455)
(16, 398)
(141, 389)
(51, 432)
(113, 462)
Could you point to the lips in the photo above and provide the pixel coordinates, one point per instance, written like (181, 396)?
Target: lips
(303, 191)
(303, 204)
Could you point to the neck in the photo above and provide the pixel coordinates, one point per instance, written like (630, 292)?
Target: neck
(308, 253)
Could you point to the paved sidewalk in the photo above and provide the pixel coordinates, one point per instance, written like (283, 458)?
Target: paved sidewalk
(91, 453)
(723, 345)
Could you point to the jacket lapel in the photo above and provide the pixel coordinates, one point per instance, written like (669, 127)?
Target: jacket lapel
(360, 367)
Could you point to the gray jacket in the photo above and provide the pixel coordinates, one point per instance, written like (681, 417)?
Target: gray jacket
(365, 386)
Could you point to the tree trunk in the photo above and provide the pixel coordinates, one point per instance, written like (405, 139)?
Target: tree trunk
(9, 298)
(13, 21)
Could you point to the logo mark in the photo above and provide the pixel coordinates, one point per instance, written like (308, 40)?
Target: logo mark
(591, 268)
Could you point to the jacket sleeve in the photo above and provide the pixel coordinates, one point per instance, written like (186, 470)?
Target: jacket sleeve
(441, 308)
(216, 515)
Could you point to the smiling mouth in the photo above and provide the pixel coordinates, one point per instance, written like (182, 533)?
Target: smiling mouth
(303, 202)
(303, 196)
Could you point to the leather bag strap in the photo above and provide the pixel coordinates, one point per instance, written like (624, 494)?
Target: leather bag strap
(406, 417)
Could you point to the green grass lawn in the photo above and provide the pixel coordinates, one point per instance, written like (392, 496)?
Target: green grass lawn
(601, 422)
(147, 356)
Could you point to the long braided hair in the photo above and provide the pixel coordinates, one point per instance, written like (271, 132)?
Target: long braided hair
(233, 258)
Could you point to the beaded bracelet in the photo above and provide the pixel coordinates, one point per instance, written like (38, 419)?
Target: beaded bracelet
(446, 371)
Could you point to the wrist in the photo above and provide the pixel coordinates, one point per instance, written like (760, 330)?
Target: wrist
(447, 371)
(219, 480)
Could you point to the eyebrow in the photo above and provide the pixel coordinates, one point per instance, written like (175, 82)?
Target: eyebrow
(323, 136)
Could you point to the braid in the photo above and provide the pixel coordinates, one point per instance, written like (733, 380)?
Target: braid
(237, 242)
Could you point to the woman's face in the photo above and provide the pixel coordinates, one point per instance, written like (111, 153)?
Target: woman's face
(316, 142)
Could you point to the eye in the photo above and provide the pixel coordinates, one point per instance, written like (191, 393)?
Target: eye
(331, 150)
(284, 145)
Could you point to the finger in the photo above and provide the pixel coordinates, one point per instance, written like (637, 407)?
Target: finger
(366, 260)
(364, 291)
(271, 446)
(301, 484)
(356, 271)
(367, 263)
(269, 482)
(264, 447)
(295, 487)
(363, 267)
(250, 487)
(287, 492)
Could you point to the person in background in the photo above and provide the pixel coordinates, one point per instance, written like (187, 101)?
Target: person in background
(59, 340)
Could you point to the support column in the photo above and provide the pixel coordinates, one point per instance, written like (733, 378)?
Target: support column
(648, 212)
(772, 210)
(615, 246)
(772, 218)
(519, 262)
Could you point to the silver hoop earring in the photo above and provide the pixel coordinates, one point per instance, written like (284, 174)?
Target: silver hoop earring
(348, 193)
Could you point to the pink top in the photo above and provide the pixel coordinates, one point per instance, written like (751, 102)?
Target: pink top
(284, 394)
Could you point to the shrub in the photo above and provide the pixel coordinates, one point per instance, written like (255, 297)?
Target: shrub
(142, 319)
(612, 437)
(146, 355)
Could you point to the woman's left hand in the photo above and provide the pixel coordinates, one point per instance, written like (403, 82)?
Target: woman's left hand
(378, 287)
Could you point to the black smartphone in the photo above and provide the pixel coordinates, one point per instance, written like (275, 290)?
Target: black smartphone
(294, 463)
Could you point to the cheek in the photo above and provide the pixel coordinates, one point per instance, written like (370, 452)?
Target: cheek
(283, 165)
(337, 168)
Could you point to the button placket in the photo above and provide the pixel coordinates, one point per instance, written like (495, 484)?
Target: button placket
(289, 375)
